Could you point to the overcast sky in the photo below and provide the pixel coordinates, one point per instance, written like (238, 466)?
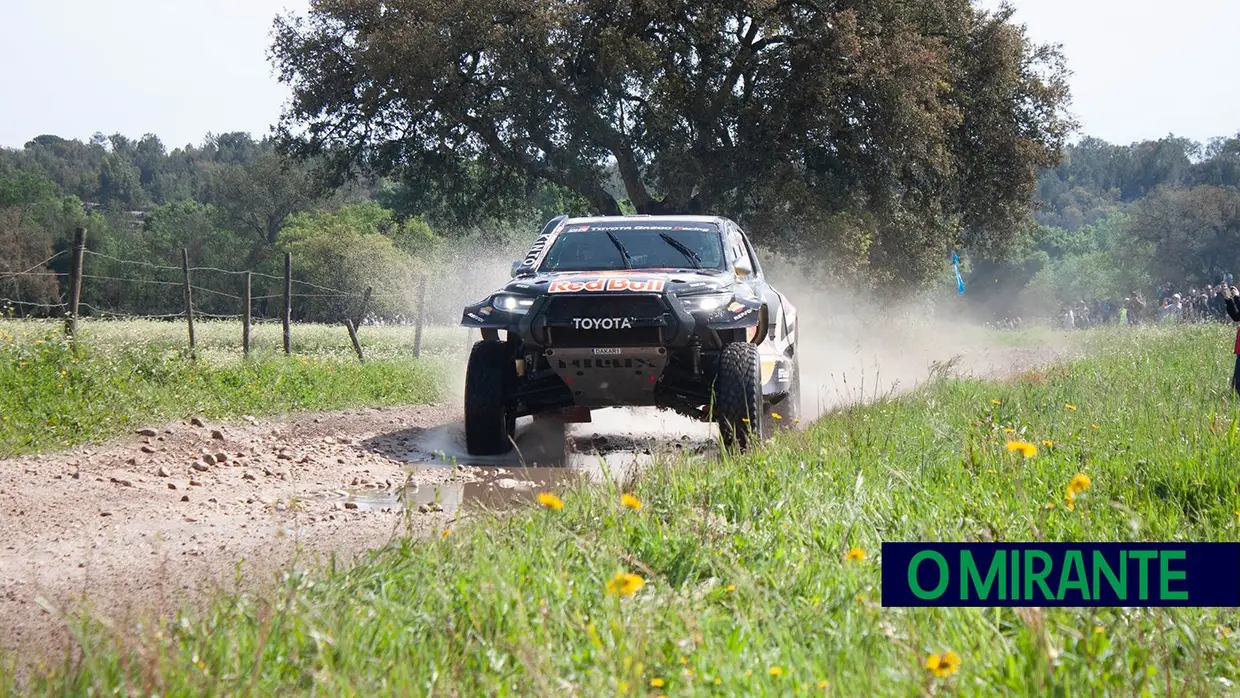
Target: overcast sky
(183, 68)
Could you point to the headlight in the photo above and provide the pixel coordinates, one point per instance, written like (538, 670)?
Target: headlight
(512, 304)
(707, 302)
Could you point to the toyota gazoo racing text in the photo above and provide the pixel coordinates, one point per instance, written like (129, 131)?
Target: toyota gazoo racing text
(665, 311)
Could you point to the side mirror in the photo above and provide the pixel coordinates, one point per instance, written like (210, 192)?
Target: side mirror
(742, 267)
(512, 272)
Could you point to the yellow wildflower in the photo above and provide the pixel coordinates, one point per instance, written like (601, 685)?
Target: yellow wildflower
(1047, 443)
(775, 416)
(447, 532)
(855, 555)
(995, 402)
(1009, 430)
(1026, 449)
(550, 501)
(1070, 407)
(625, 584)
(1080, 483)
(656, 682)
(630, 501)
(943, 665)
(823, 684)
(731, 587)
(775, 671)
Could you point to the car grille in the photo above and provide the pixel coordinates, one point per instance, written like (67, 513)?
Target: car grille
(567, 307)
(561, 310)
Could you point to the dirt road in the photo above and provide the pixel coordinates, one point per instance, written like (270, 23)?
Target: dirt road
(161, 519)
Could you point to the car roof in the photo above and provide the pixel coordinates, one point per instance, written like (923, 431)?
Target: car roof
(717, 220)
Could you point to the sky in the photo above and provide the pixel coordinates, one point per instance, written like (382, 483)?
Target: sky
(184, 68)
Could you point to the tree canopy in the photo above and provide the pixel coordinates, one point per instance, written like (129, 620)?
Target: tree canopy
(877, 133)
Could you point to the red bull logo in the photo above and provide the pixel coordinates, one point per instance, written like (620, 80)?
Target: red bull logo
(615, 285)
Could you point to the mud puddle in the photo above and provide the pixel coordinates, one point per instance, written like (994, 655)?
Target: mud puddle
(613, 446)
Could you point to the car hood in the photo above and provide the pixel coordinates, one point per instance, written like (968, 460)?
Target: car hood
(676, 281)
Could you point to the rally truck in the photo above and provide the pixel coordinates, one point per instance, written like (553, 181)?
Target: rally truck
(672, 312)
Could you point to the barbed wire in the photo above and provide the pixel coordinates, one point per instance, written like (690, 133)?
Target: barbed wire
(233, 272)
(304, 290)
(138, 262)
(32, 269)
(32, 304)
(213, 291)
(128, 316)
(133, 281)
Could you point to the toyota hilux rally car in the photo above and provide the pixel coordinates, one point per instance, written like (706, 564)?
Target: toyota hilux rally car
(664, 311)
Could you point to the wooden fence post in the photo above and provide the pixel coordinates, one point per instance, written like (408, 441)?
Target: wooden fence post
(189, 300)
(357, 346)
(75, 281)
(288, 300)
(245, 317)
(417, 330)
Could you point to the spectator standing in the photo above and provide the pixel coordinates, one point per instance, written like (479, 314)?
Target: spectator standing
(1233, 310)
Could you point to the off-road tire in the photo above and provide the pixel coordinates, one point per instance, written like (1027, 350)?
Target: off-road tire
(737, 403)
(488, 420)
(788, 409)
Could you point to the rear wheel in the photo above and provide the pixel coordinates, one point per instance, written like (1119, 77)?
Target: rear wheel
(738, 396)
(488, 420)
(788, 409)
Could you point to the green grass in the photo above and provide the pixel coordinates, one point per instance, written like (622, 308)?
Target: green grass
(123, 375)
(745, 569)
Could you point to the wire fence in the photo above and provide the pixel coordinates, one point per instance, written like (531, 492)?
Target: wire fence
(100, 285)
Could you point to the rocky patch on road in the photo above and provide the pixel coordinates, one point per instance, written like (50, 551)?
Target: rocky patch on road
(152, 520)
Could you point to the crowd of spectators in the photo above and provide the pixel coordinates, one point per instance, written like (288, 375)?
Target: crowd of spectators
(1170, 304)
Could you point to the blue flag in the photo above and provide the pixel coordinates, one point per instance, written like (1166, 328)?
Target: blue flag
(956, 269)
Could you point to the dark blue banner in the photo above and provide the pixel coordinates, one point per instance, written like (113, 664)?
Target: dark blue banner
(1061, 574)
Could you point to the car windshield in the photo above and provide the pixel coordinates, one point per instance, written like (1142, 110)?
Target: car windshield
(612, 246)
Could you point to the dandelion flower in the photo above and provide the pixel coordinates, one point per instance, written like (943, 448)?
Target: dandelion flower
(1070, 407)
(1009, 430)
(447, 532)
(1026, 449)
(625, 584)
(1080, 483)
(1094, 426)
(943, 665)
(855, 555)
(823, 684)
(775, 671)
(656, 682)
(1047, 443)
(995, 402)
(550, 501)
(630, 501)
(731, 587)
(775, 416)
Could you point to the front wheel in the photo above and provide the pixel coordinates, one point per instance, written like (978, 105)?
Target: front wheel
(738, 396)
(488, 420)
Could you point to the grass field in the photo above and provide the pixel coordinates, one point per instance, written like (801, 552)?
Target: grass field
(747, 584)
(125, 374)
